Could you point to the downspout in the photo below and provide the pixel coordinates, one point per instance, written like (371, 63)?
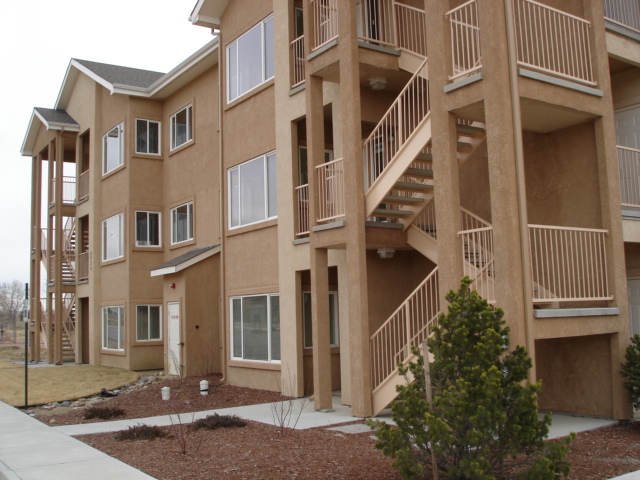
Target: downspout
(222, 308)
(527, 283)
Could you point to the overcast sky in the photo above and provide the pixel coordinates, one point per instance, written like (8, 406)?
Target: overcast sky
(39, 37)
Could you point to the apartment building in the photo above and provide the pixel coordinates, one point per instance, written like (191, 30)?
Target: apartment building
(290, 205)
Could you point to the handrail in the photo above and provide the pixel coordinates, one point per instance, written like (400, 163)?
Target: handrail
(406, 327)
(553, 42)
(330, 177)
(302, 197)
(623, 12)
(396, 126)
(478, 252)
(569, 263)
(466, 53)
(629, 171)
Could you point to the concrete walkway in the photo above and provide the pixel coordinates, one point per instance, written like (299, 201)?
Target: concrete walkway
(31, 450)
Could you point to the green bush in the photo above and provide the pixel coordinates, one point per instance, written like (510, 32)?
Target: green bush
(482, 423)
(141, 432)
(631, 370)
(211, 422)
(103, 413)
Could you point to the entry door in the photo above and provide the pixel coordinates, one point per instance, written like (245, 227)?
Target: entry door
(633, 287)
(175, 359)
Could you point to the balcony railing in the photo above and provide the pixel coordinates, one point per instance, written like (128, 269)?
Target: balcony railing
(83, 266)
(623, 12)
(465, 40)
(325, 20)
(302, 197)
(68, 191)
(568, 264)
(478, 252)
(83, 185)
(376, 22)
(297, 56)
(411, 32)
(330, 190)
(553, 42)
(629, 169)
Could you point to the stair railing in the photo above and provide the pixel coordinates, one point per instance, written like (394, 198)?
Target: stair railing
(478, 252)
(68, 314)
(407, 327)
(426, 220)
(404, 116)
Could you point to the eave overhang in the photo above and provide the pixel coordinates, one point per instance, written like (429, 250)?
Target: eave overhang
(207, 13)
(186, 260)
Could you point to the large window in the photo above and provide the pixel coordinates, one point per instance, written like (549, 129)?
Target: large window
(113, 328)
(113, 149)
(147, 136)
(255, 327)
(334, 332)
(182, 223)
(181, 130)
(147, 229)
(252, 191)
(148, 324)
(250, 60)
(113, 237)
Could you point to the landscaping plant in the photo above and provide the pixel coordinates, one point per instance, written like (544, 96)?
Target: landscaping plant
(141, 432)
(211, 422)
(482, 423)
(631, 370)
(102, 412)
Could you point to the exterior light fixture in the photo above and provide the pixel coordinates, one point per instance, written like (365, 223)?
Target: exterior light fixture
(386, 252)
(377, 83)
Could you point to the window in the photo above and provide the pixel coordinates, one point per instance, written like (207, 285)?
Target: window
(148, 325)
(181, 131)
(252, 191)
(147, 229)
(113, 149)
(182, 223)
(113, 328)
(255, 327)
(334, 332)
(250, 60)
(147, 136)
(113, 237)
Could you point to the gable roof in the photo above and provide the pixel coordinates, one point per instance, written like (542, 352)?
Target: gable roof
(185, 260)
(121, 76)
(51, 119)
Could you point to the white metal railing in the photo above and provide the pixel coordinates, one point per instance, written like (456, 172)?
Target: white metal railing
(466, 54)
(68, 190)
(407, 327)
(395, 128)
(629, 170)
(69, 317)
(376, 22)
(623, 12)
(302, 197)
(553, 42)
(83, 185)
(411, 31)
(325, 21)
(478, 252)
(83, 266)
(426, 220)
(568, 264)
(330, 190)
(297, 57)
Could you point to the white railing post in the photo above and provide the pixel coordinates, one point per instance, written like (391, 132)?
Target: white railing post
(466, 54)
(298, 59)
(623, 12)
(330, 190)
(302, 196)
(629, 171)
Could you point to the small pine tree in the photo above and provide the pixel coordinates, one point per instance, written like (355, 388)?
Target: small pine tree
(483, 421)
(631, 370)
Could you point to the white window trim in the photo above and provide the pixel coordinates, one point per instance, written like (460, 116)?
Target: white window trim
(266, 192)
(262, 58)
(135, 228)
(104, 244)
(336, 320)
(189, 224)
(121, 331)
(159, 136)
(172, 140)
(120, 126)
(148, 305)
(240, 297)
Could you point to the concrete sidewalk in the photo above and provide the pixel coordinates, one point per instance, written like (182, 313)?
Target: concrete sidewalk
(30, 450)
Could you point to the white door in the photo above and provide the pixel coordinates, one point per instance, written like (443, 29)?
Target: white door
(628, 127)
(174, 361)
(633, 287)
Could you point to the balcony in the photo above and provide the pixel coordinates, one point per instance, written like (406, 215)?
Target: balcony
(629, 169)
(83, 186)
(68, 191)
(624, 13)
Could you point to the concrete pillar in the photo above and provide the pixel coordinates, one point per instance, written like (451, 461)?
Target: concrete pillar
(59, 247)
(320, 329)
(50, 248)
(36, 246)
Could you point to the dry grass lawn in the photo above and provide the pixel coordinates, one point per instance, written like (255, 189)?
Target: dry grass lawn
(58, 383)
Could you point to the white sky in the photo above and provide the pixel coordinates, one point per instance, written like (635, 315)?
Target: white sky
(39, 37)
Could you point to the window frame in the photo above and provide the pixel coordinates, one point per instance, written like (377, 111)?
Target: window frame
(235, 199)
(149, 306)
(159, 139)
(190, 223)
(270, 327)
(120, 148)
(173, 144)
(121, 328)
(135, 221)
(334, 319)
(105, 230)
(263, 59)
